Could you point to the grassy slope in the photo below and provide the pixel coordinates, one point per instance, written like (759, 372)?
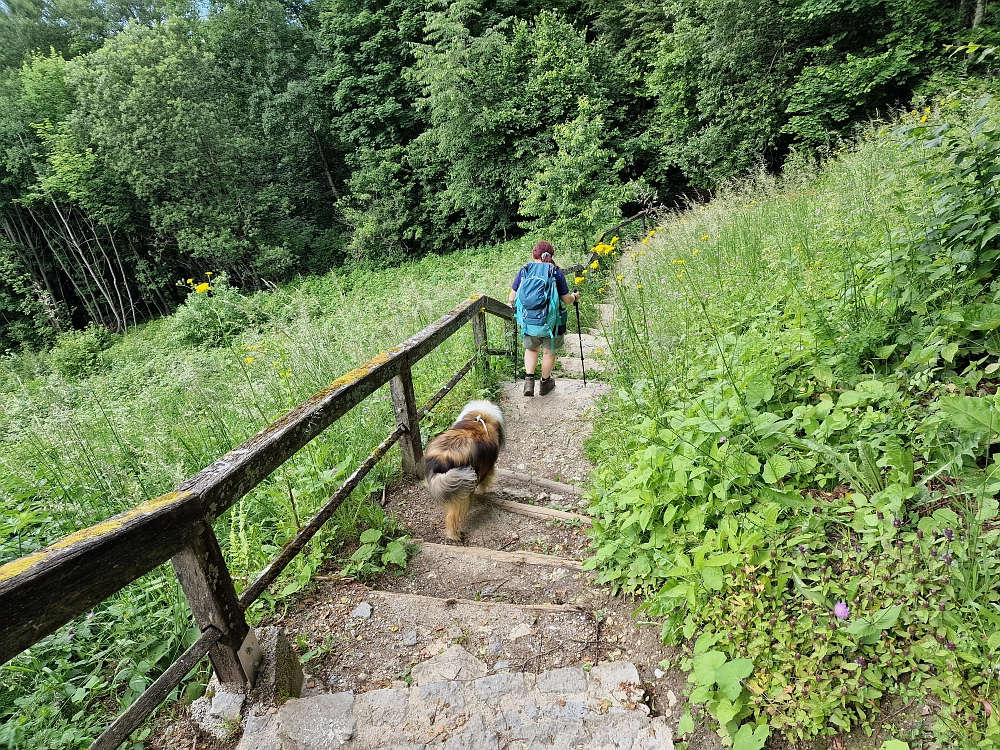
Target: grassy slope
(132, 421)
(778, 445)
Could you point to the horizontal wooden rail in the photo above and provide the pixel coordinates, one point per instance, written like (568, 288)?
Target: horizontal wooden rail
(44, 590)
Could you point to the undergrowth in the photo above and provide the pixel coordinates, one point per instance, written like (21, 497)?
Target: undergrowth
(797, 470)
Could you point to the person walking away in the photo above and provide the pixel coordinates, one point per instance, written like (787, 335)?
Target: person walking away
(541, 282)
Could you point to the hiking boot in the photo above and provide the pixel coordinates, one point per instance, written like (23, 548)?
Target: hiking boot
(529, 385)
(546, 386)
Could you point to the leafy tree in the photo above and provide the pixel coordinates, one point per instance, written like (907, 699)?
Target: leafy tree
(576, 191)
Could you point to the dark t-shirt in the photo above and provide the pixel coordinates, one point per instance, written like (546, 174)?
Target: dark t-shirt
(561, 286)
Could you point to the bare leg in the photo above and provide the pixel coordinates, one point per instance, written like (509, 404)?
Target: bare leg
(548, 362)
(531, 362)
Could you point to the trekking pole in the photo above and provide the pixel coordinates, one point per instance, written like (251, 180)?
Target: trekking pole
(579, 333)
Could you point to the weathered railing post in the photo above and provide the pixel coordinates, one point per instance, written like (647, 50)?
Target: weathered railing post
(404, 403)
(479, 338)
(204, 577)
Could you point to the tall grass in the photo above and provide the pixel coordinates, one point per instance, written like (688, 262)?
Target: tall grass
(803, 418)
(88, 431)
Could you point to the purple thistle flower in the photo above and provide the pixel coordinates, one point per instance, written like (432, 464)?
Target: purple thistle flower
(841, 611)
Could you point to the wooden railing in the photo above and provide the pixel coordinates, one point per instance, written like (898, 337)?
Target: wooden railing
(43, 591)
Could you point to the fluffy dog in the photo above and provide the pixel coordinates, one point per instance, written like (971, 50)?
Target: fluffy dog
(459, 462)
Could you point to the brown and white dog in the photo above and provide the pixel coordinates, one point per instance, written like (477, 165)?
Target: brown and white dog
(459, 462)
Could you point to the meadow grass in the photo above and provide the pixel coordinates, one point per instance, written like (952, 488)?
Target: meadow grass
(785, 468)
(92, 429)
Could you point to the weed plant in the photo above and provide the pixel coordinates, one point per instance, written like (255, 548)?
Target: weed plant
(796, 469)
(102, 423)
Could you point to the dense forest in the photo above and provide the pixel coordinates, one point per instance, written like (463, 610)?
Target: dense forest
(144, 144)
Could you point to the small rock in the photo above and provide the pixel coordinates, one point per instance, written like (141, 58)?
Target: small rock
(501, 665)
(520, 631)
(363, 610)
(410, 639)
(272, 710)
(400, 684)
(658, 673)
(495, 648)
(556, 498)
(671, 699)
(333, 680)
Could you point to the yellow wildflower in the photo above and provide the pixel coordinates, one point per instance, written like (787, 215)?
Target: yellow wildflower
(601, 290)
(203, 287)
(645, 241)
(595, 264)
(208, 273)
(584, 271)
(614, 240)
(633, 256)
(578, 280)
(680, 276)
(923, 119)
(248, 359)
(190, 281)
(704, 237)
(619, 277)
(639, 286)
(694, 252)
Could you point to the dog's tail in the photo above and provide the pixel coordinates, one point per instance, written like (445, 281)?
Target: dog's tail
(454, 484)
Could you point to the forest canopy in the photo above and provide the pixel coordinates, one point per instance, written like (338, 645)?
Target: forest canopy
(144, 145)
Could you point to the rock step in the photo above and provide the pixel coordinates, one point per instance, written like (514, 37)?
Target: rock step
(517, 558)
(450, 571)
(455, 705)
(497, 522)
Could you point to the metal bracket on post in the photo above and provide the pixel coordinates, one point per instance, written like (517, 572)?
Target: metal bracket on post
(204, 577)
(404, 403)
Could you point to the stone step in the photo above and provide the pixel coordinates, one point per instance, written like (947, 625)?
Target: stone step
(496, 522)
(449, 570)
(487, 554)
(453, 703)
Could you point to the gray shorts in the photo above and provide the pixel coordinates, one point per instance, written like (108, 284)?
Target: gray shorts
(534, 342)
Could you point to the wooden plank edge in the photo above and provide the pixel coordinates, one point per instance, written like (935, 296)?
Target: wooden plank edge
(538, 511)
(455, 601)
(520, 558)
(547, 483)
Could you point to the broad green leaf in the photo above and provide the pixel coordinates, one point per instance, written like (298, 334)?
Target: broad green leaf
(776, 468)
(970, 414)
(758, 390)
(751, 739)
(364, 552)
(686, 724)
(705, 666)
(950, 350)
(729, 675)
(395, 553)
(725, 710)
(371, 536)
(894, 745)
(713, 578)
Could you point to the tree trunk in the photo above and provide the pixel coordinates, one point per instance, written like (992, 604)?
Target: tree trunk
(964, 12)
(977, 17)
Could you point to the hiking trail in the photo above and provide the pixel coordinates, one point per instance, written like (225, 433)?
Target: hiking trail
(502, 641)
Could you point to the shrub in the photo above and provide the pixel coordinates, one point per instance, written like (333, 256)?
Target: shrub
(77, 354)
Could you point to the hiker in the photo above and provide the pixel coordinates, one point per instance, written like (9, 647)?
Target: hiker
(541, 313)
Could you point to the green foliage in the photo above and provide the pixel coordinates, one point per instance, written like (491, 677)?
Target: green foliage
(576, 192)
(375, 555)
(77, 354)
(213, 314)
(805, 480)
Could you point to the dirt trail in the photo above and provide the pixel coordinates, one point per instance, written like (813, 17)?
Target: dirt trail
(513, 594)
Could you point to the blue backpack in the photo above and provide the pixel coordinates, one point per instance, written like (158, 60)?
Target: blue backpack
(536, 306)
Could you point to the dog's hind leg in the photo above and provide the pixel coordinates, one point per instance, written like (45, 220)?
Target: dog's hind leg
(484, 486)
(454, 517)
